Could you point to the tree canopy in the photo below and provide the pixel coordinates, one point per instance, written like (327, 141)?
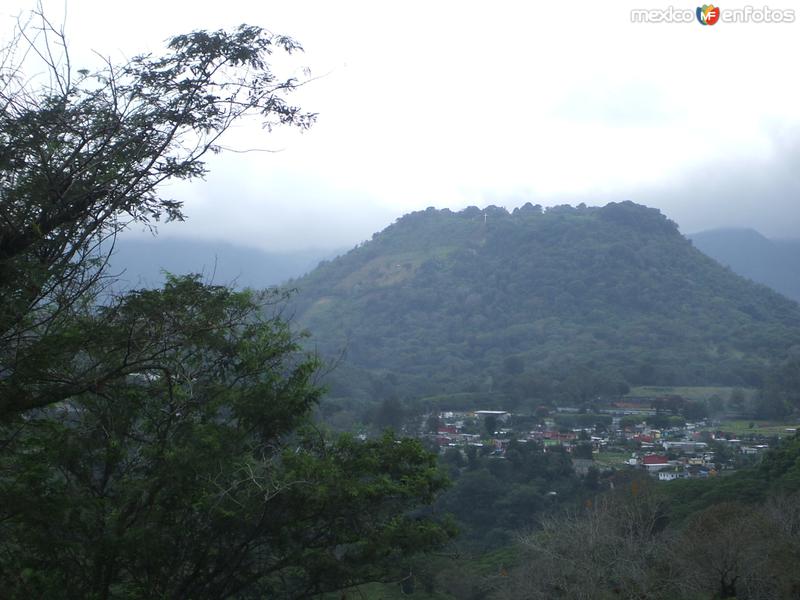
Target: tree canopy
(199, 475)
(160, 443)
(84, 153)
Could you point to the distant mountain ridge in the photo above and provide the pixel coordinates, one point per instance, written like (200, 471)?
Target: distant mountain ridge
(142, 262)
(537, 304)
(775, 263)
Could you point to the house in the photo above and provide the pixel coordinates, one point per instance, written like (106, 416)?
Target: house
(672, 474)
(655, 462)
(556, 437)
(758, 448)
(684, 446)
(500, 415)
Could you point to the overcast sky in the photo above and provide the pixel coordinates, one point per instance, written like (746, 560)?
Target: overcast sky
(451, 104)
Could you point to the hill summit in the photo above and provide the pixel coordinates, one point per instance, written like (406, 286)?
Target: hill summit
(537, 305)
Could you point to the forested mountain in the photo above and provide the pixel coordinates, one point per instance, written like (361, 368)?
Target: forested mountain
(775, 263)
(537, 305)
(142, 262)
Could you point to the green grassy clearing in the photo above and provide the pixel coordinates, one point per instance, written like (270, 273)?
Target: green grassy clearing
(689, 392)
(768, 428)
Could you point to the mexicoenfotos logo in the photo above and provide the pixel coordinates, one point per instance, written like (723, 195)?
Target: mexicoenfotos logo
(708, 14)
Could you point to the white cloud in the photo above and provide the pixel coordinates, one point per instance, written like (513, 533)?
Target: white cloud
(454, 103)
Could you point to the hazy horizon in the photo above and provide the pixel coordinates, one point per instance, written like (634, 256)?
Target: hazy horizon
(177, 234)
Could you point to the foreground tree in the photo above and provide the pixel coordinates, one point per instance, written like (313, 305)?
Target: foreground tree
(199, 476)
(603, 551)
(82, 155)
(159, 444)
(628, 544)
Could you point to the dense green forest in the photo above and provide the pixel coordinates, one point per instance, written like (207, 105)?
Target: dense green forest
(534, 306)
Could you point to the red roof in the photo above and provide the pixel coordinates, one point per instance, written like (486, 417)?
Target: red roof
(622, 404)
(655, 459)
(557, 435)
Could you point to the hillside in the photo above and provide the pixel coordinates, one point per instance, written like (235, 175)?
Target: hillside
(534, 305)
(775, 263)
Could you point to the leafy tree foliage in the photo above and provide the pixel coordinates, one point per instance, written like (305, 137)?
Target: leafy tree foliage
(83, 153)
(159, 444)
(495, 498)
(781, 392)
(197, 475)
(602, 550)
(389, 414)
(619, 547)
(490, 424)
